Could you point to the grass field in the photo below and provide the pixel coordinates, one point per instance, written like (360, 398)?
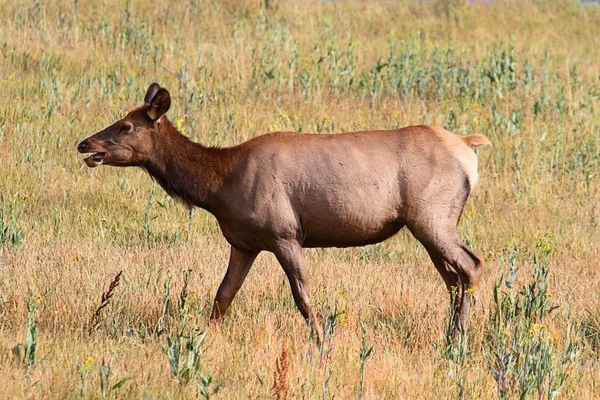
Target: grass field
(525, 74)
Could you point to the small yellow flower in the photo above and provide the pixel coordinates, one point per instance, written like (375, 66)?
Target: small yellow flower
(341, 292)
(89, 361)
(471, 291)
(535, 329)
(343, 317)
(179, 123)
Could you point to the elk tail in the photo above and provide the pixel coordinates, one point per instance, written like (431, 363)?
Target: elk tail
(475, 140)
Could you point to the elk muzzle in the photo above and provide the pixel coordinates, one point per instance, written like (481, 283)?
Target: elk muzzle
(98, 154)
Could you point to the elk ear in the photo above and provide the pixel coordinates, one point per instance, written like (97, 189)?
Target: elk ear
(159, 104)
(150, 93)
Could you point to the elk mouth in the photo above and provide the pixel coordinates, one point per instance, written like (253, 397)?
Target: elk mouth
(95, 159)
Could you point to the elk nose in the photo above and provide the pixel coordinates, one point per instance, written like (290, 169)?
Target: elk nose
(82, 146)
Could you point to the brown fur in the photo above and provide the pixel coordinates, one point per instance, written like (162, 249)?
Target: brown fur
(284, 191)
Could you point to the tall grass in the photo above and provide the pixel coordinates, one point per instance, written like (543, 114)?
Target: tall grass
(525, 74)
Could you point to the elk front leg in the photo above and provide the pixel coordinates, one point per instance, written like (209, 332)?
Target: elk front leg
(240, 262)
(289, 255)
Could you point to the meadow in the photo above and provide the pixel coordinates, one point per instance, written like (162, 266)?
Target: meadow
(106, 283)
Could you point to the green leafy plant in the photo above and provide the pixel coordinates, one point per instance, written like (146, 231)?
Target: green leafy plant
(365, 352)
(184, 345)
(107, 387)
(330, 320)
(10, 233)
(525, 360)
(31, 337)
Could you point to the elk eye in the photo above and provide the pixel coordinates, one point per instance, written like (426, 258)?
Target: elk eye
(127, 127)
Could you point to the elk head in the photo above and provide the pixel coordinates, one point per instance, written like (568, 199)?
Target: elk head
(129, 141)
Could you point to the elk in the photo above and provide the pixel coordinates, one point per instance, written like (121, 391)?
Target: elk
(285, 191)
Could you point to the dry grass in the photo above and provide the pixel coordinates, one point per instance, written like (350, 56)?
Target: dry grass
(106, 296)
(280, 389)
(71, 68)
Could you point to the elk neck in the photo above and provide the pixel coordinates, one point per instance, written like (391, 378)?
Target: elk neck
(188, 171)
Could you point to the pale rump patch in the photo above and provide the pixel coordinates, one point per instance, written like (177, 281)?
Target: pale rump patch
(468, 160)
(461, 148)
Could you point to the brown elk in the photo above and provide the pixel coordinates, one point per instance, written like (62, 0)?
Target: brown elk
(281, 192)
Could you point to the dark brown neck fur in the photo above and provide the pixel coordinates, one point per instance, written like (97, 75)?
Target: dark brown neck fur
(187, 171)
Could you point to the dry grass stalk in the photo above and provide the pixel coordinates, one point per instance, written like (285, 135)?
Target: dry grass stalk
(106, 296)
(280, 387)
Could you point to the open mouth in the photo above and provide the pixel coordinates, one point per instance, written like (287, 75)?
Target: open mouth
(95, 159)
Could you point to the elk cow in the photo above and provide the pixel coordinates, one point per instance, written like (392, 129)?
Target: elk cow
(283, 191)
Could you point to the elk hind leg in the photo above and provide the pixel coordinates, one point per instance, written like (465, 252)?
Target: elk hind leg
(447, 246)
(448, 274)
